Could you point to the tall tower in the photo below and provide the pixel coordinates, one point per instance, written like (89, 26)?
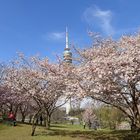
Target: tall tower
(67, 52)
(67, 55)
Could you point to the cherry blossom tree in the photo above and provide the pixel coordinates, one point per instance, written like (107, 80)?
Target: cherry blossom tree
(89, 116)
(4, 91)
(52, 88)
(36, 83)
(110, 72)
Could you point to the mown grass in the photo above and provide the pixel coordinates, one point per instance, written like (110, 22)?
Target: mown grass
(62, 132)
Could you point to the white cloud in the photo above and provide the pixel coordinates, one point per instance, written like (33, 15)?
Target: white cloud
(57, 36)
(103, 19)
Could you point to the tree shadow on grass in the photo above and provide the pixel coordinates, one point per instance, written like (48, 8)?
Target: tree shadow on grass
(125, 134)
(70, 133)
(58, 126)
(94, 135)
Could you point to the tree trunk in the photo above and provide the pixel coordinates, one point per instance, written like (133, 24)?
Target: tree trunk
(89, 124)
(35, 120)
(48, 121)
(30, 119)
(44, 121)
(23, 118)
(41, 119)
(135, 127)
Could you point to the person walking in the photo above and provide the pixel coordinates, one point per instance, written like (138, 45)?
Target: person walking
(11, 118)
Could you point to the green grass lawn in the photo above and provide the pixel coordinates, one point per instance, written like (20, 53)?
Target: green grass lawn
(62, 132)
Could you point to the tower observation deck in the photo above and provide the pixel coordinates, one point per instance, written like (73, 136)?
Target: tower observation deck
(67, 55)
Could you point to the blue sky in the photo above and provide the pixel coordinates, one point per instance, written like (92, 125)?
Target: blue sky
(38, 26)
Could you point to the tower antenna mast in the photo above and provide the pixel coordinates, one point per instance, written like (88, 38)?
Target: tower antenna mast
(67, 43)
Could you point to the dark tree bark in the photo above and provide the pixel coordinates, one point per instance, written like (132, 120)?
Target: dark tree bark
(48, 122)
(23, 118)
(35, 120)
